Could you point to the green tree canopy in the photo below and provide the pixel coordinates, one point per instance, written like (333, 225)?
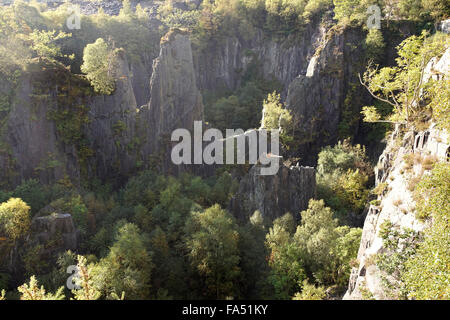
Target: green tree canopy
(98, 64)
(213, 250)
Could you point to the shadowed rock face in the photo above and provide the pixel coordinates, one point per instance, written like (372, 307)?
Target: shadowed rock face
(175, 101)
(222, 64)
(55, 233)
(59, 224)
(317, 68)
(274, 195)
(114, 137)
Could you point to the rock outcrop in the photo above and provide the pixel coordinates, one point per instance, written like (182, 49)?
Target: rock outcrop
(322, 98)
(57, 225)
(274, 195)
(36, 143)
(395, 205)
(175, 101)
(316, 67)
(111, 129)
(49, 235)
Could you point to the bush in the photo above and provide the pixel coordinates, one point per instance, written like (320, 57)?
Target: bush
(343, 174)
(15, 218)
(310, 292)
(33, 193)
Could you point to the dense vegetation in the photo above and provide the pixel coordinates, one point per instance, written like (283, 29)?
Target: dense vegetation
(165, 237)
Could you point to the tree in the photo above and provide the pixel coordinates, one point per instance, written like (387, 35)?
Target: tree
(285, 260)
(401, 86)
(439, 97)
(343, 9)
(84, 280)
(275, 116)
(352, 190)
(316, 235)
(14, 218)
(374, 44)
(44, 44)
(344, 251)
(127, 267)
(343, 172)
(98, 63)
(212, 243)
(32, 291)
(33, 193)
(253, 262)
(223, 189)
(347, 11)
(437, 9)
(326, 248)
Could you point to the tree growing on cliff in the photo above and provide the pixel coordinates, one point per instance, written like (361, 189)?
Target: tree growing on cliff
(98, 64)
(275, 116)
(402, 86)
(343, 172)
(44, 44)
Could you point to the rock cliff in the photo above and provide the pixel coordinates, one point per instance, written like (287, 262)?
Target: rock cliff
(57, 126)
(223, 62)
(175, 101)
(274, 195)
(407, 157)
(317, 69)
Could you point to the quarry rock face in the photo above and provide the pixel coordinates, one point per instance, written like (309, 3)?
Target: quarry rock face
(61, 225)
(111, 129)
(274, 195)
(31, 145)
(122, 132)
(444, 26)
(317, 69)
(175, 102)
(222, 64)
(320, 97)
(396, 203)
(112, 135)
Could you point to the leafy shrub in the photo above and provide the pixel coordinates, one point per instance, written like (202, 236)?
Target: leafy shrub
(343, 174)
(15, 218)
